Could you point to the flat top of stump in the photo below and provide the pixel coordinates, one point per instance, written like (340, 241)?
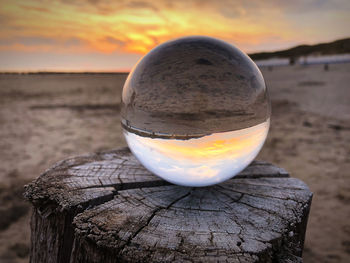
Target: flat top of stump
(131, 215)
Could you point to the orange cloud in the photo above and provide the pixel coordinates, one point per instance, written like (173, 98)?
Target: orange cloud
(129, 26)
(135, 27)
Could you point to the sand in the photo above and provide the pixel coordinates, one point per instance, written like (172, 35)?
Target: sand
(47, 118)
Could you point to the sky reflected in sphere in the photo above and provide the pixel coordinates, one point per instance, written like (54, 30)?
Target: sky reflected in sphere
(201, 161)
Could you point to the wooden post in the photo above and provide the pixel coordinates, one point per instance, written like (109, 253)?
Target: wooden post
(106, 207)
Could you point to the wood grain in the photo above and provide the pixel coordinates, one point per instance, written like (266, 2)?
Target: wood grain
(106, 207)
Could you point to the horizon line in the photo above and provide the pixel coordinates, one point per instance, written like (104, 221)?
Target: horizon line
(24, 72)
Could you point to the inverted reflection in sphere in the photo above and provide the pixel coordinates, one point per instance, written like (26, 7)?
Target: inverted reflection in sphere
(195, 111)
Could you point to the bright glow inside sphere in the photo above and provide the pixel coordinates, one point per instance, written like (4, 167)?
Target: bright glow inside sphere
(195, 111)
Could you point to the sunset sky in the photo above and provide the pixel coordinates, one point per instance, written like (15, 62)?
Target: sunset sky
(106, 35)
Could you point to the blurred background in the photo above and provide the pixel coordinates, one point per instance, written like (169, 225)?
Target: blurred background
(64, 64)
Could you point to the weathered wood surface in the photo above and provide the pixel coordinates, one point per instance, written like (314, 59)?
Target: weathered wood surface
(106, 207)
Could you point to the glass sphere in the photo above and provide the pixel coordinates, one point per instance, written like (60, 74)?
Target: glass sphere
(195, 111)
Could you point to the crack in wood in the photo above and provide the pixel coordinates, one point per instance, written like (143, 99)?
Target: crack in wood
(265, 210)
(228, 196)
(269, 185)
(150, 219)
(262, 196)
(127, 186)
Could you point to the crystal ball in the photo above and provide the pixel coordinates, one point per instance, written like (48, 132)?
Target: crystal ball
(195, 111)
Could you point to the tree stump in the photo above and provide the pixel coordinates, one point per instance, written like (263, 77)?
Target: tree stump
(106, 207)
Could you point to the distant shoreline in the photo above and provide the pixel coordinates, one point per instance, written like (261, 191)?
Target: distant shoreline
(303, 54)
(276, 62)
(341, 46)
(60, 73)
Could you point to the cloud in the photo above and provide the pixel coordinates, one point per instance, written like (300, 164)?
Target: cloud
(39, 43)
(36, 8)
(34, 41)
(142, 5)
(27, 41)
(115, 41)
(136, 26)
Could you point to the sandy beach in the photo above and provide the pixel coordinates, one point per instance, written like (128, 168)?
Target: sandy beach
(45, 118)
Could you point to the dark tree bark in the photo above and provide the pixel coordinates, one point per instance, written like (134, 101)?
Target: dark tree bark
(106, 207)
